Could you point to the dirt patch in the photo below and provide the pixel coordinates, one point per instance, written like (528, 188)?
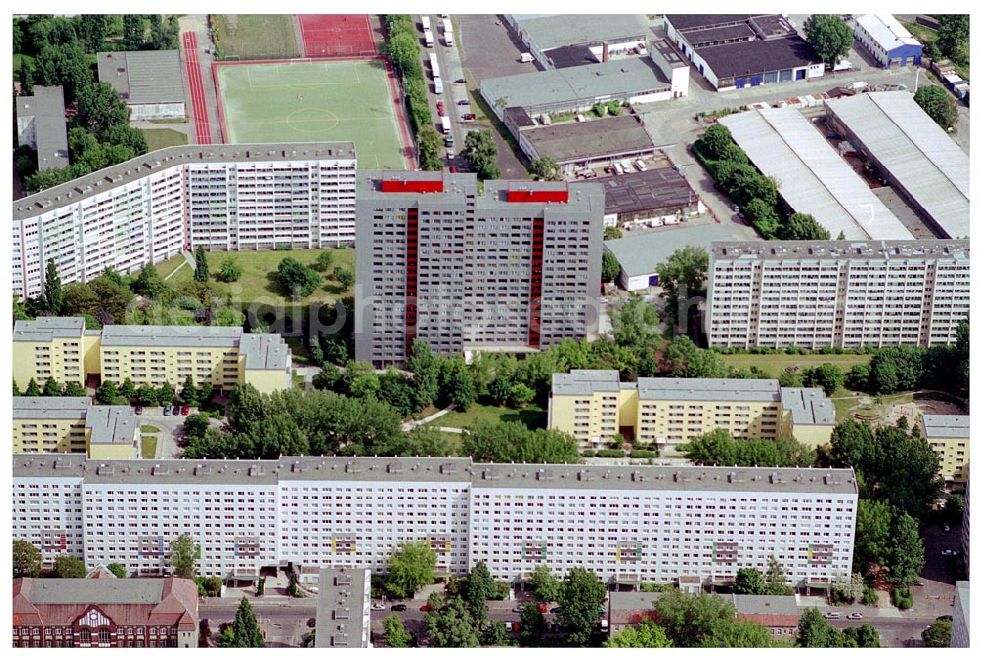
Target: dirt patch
(913, 410)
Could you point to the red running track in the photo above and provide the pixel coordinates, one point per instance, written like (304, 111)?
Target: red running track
(200, 110)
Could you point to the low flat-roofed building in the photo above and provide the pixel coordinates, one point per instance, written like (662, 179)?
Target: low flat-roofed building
(654, 197)
(112, 432)
(812, 178)
(343, 608)
(887, 40)
(948, 436)
(811, 416)
(105, 612)
(149, 82)
(567, 40)
(639, 253)
(631, 80)
(743, 50)
(581, 143)
(41, 124)
(912, 152)
(960, 617)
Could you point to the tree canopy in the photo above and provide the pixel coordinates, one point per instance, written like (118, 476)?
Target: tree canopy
(937, 103)
(410, 567)
(830, 36)
(647, 634)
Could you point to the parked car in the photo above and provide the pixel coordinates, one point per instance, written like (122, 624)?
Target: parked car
(378, 605)
(451, 153)
(641, 165)
(426, 608)
(166, 410)
(509, 626)
(948, 552)
(459, 80)
(519, 609)
(947, 528)
(856, 616)
(185, 410)
(542, 608)
(177, 410)
(138, 409)
(453, 168)
(556, 610)
(440, 106)
(832, 615)
(311, 622)
(449, 140)
(462, 102)
(398, 608)
(468, 116)
(920, 583)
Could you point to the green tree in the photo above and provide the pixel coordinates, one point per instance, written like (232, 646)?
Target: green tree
(26, 77)
(905, 552)
(344, 275)
(74, 390)
(544, 585)
(404, 52)
(17, 389)
(245, 631)
(149, 283)
(189, 392)
(480, 587)
(647, 634)
(425, 367)
(580, 597)
(480, 151)
(118, 569)
(775, 578)
(864, 636)
(246, 406)
(134, 31)
(410, 567)
(635, 324)
(814, 631)
(106, 393)
(67, 566)
(690, 619)
(683, 278)
(52, 289)
(545, 168)
(938, 634)
(872, 533)
(99, 107)
(610, 268)
(533, 625)
(802, 226)
(127, 389)
(456, 383)
(51, 388)
(827, 375)
(506, 441)
(395, 634)
(27, 560)
(184, 555)
(63, 64)
(32, 390)
(200, 265)
(829, 36)
(452, 626)
(93, 29)
(323, 261)
(749, 581)
(937, 103)
(297, 279)
(715, 141)
(612, 233)
(739, 634)
(429, 144)
(229, 270)
(953, 34)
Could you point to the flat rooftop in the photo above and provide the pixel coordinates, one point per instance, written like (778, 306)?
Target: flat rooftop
(685, 22)
(926, 163)
(754, 57)
(585, 382)
(549, 31)
(575, 141)
(264, 351)
(143, 77)
(812, 177)
(709, 390)
(46, 106)
(945, 426)
(156, 161)
(112, 424)
(171, 336)
(655, 189)
(44, 329)
(809, 406)
(623, 77)
(639, 253)
(341, 620)
(462, 471)
(44, 408)
(957, 250)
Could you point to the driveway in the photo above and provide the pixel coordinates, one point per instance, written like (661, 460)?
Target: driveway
(170, 427)
(284, 622)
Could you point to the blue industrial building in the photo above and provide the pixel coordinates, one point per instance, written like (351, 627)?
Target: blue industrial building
(887, 40)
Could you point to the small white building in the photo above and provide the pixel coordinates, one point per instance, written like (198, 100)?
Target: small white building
(149, 82)
(887, 40)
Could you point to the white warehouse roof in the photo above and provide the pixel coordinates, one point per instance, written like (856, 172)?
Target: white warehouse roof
(812, 177)
(886, 30)
(925, 162)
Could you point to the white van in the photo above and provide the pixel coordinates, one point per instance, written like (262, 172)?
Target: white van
(527, 57)
(446, 124)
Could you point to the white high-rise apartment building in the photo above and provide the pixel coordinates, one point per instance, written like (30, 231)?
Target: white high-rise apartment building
(623, 522)
(847, 294)
(221, 197)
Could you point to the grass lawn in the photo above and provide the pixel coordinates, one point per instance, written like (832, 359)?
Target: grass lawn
(255, 36)
(534, 417)
(148, 447)
(165, 268)
(314, 101)
(258, 284)
(163, 138)
(775, 364)
(148, 429)
(928, 35)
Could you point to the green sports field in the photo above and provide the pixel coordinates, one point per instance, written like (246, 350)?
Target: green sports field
(315, 101)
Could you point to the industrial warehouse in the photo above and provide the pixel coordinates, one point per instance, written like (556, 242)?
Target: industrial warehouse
(560, 40)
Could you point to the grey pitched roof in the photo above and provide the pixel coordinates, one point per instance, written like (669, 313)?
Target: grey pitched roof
(111, 424)
(44, 329)
(583, 478)
(341, 617)
(96, 591)
(34, 408)
(46, 109)
(143, 77)
(809, 406)
(765, 604)
(639, 253)
(946, 426)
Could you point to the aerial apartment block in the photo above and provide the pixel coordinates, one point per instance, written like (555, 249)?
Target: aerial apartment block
(220, 197)
(845, 294)
(948, 436)
(595, 405)
(624, 523)
(512, 269)
(62, 348)
(74, 425)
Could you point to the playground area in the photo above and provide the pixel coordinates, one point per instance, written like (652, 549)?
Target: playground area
(325, 100)
(886, 410)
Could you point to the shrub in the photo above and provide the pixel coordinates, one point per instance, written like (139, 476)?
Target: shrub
(902, 598)
(610, 453)
(642, 454)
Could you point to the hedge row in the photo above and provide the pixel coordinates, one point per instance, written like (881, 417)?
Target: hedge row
(404, 52)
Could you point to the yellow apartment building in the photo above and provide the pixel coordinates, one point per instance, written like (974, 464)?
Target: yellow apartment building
(594, 406)
(222, 355)
(949, 439)
(74, 425)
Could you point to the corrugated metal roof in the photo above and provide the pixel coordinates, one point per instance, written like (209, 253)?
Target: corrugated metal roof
(550, 31)
(812, 177)
(143, 77)
(886, 31)
(927, 163)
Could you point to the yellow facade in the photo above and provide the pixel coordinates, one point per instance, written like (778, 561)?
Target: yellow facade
(171, 365)
(49, 436)
(953, 457)
(811, 435)
(61, 358)
(267, 381)
(113, 451)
